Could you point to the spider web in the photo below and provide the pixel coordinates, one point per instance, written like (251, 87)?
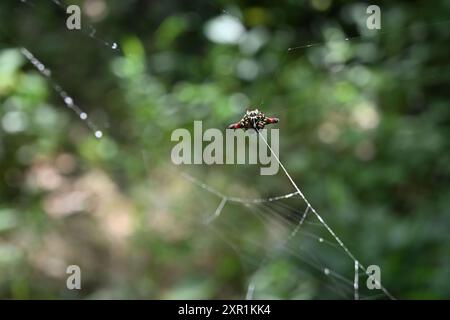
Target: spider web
(271, 211)
(303, 236)
(297, 231)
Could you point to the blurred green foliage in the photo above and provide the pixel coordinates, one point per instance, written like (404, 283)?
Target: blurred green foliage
(364, 131)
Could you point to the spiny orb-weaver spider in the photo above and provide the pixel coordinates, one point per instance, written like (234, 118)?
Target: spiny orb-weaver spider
(253, 119)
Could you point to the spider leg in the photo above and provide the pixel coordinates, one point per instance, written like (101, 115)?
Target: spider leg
(272, 120)
(236, 125)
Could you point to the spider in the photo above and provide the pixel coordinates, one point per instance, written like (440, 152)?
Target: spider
(253, 119)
